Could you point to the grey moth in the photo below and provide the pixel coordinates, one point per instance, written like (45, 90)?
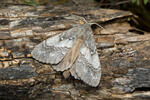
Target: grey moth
(73, 50)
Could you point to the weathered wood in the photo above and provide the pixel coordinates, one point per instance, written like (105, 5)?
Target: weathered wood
(125, 65)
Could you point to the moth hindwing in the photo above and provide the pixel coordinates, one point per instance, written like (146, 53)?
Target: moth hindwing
(73, 50)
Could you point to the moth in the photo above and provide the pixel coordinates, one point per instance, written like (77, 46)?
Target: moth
(73, 50)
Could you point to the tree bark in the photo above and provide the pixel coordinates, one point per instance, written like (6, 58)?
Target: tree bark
(123, 51)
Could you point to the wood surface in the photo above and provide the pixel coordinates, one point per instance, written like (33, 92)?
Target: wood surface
(123, 51)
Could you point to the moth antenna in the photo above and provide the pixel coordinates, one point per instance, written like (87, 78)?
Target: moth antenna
(97, 25)
(84, 19)
(76, 17)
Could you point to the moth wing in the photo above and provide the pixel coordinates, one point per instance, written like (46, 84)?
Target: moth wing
(88, 67)
(73, 71)
(53, 50)
(70, 57)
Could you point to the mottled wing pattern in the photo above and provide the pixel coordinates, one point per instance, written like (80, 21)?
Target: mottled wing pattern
(54, 48)
(88, 67)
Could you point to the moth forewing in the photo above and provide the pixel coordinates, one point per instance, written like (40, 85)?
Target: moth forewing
(53, 49)
(89, 72)
(88, 66)
(46, 52)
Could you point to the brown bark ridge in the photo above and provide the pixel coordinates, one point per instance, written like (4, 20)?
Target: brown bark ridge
(123, 51)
